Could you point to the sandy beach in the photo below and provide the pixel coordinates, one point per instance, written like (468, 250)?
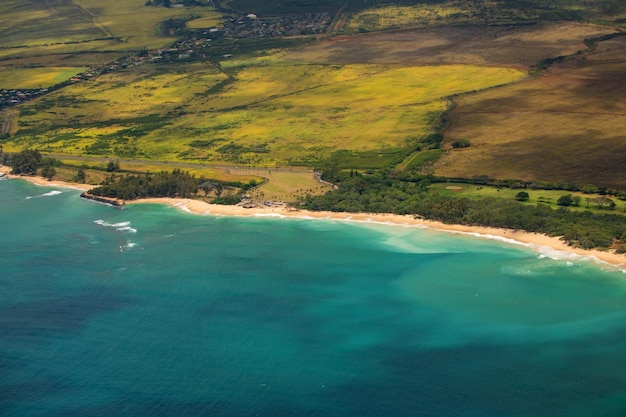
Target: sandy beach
(539, 242)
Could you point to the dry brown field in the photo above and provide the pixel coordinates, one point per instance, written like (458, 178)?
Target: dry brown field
(522, 46)
(567, 125)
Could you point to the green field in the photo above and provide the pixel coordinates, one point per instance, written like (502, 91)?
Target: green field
(36, 77)
(394, 15)
(36, 28)
(364, 98)
(275, 113)
(536, 196)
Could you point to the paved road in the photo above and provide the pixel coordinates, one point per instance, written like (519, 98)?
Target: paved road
(7, 122)
(233, 169)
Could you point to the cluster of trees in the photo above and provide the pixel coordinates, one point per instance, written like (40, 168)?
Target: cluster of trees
(29, 161)
(382, 193)
(169, 3)
(168, 184)
(163, 184)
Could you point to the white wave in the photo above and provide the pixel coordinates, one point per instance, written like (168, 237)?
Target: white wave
(278, 215)
(129, 245)
(48, 194)
(182, 207)
(547, 251)
(120, 227)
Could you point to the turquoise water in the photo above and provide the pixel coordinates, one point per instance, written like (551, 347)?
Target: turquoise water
(149, 311)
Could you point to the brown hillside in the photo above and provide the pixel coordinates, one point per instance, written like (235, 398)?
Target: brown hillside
(477, 45)
(568, 125)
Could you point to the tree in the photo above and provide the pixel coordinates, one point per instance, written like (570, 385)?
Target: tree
(461, 143)
(565, 200)
(113, 166)
(48, 171)
(26, 162)
(604, 201)
(80, 175)
(522, 196)
(576, 199)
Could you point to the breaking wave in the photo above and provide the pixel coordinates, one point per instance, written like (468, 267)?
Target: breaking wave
(120, 227)
(48, 194)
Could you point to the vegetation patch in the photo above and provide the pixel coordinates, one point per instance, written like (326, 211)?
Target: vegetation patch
(563, 126)
(279, 112)
(31, 78)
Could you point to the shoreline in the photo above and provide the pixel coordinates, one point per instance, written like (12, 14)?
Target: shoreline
(536, 241)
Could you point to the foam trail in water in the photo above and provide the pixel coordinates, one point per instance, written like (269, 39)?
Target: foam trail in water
(48, 194)
(121, 226)
(129, 245)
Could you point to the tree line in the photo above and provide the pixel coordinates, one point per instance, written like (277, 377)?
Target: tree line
(177, 183)
(384, 193)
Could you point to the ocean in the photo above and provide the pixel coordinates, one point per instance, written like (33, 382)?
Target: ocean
(150, 311)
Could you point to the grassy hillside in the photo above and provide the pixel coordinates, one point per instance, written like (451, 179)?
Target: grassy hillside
(365, 98)
(393, 15)
(519, 46)
(36, 77)
(279, 112)
(36, 28)
(567, 125)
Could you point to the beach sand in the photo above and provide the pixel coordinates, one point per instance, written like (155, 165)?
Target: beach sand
(539, 242)
(536, 241)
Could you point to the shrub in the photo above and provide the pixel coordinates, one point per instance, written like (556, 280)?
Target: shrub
(522, 196)
(461, 143)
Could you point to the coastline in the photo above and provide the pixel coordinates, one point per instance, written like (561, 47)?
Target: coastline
(538, 242)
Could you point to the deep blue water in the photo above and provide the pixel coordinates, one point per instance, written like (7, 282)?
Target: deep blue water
(149, 311)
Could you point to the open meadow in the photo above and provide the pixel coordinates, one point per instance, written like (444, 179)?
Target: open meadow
(535, 196)
(34, 28)
(519, 46)
(567, 125)
(36, 77)
(367, 98)
(394, 15)
(277, 113)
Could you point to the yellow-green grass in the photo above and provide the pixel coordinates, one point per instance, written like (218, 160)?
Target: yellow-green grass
(98, 169)
(56, 50)
(30, 78)
(548, 197)
(288, 186)
(37, 28)
(205, 22)
(568, 125)
(83, 60)
(457, 12)
(281, 113)
(394, 16)
(137, 24)
(29, 23)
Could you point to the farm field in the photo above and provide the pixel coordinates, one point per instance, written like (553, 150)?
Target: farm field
(280, 113)
(519, 46)
(567, 125)
(33, 28)
(548, 197)
(36, 77)
(276, 7)
(458, 12)
(277, 184)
